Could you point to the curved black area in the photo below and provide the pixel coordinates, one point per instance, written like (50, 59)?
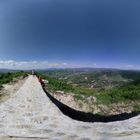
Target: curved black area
(88, 117)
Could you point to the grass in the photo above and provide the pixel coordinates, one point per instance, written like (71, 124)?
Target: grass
(78, 97)
(136, 108)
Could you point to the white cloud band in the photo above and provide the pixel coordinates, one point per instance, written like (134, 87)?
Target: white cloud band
(11, 64)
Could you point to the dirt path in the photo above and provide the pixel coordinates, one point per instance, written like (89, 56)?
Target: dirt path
(30, 114)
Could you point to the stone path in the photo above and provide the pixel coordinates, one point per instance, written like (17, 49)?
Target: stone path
(29, 114)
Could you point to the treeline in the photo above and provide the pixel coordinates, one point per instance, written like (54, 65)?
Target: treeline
(120, 94)
(135, 75)
(8, 77)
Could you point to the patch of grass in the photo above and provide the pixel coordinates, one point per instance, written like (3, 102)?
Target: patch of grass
(84, 91)
(103, 98)
(78, 97)
(8, 77)
(136, 108)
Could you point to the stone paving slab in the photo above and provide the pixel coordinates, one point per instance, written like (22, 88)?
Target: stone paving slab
(31, 115)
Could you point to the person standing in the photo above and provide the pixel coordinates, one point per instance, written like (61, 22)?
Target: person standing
(33, 72)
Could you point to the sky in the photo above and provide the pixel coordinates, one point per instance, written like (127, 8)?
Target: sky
(69, 33)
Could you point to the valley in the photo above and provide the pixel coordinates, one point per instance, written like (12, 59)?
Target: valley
(103, 91)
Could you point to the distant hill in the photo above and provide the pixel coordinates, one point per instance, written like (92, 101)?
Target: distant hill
(10, 70)
(5, 70)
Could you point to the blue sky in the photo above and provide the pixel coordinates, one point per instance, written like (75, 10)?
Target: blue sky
(70, 33)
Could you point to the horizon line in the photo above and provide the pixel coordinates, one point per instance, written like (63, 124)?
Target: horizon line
(62, 68)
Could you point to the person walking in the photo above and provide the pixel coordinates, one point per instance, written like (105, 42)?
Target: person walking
(33, 72)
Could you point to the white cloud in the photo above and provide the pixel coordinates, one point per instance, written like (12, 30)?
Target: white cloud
(65, 64)
(130, 66)
(11, 64)
(95, 65)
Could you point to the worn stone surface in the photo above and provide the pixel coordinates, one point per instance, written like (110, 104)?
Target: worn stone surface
(10, 89)
(29, 114)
